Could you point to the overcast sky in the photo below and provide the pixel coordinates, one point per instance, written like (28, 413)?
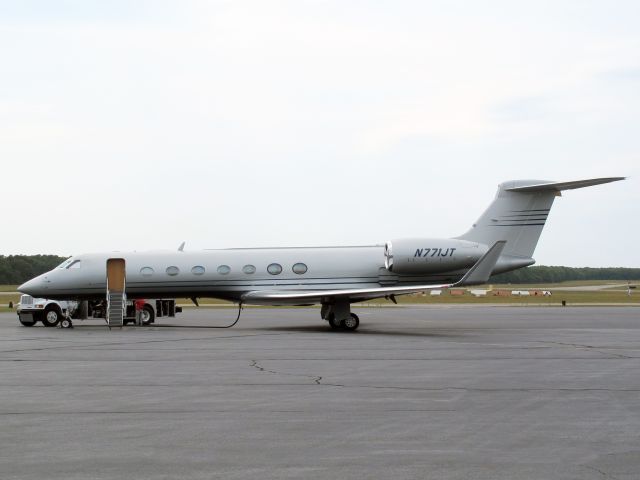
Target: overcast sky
(135, 125)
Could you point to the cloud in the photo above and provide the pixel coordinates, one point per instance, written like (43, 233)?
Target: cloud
(206, 114)
(631, 74)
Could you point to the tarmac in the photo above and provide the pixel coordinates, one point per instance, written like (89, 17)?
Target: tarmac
(416, 393)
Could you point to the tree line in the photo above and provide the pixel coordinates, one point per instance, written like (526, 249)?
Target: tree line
(16, 269)
(544, 274)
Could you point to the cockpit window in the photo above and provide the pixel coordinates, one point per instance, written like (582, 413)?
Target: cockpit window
(74, 264)
(66, 263)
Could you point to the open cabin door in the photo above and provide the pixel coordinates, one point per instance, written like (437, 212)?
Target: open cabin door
(116, 286)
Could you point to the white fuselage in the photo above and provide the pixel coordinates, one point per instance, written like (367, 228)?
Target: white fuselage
(228, 274)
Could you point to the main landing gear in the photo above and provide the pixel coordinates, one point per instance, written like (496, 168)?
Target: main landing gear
(339, 316)
(351, 323)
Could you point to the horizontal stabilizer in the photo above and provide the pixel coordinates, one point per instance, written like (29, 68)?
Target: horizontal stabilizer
(482, 270)
(559, 186)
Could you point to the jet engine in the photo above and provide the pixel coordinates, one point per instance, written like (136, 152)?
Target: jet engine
(430, 255)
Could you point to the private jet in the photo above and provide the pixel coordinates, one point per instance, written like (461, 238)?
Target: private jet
(502, 239)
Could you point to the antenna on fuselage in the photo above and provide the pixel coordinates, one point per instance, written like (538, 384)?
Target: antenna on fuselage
(181, 247)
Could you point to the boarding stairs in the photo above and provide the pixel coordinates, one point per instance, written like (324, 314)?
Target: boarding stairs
(116, 288)
(116, 305)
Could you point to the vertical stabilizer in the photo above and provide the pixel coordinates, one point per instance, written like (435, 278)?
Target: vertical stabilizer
(519, 212)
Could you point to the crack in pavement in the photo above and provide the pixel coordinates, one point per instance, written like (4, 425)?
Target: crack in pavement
(590, 347)
(316, 379)
(601, 472)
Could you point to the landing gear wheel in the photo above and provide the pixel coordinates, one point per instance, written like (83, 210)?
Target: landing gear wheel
(351, 323)
(335, 324)
(51, 316)
(27, 323)
(66, 323)
(147, 315)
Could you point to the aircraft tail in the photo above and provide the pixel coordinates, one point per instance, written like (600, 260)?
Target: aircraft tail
(518, 215)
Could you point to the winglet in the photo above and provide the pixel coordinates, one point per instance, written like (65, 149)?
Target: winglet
(483, 268)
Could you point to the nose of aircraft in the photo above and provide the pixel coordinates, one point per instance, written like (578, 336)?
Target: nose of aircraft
(33, 287)
(26, 287)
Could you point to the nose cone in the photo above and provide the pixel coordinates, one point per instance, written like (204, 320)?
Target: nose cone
(36, 287)
(27, 287)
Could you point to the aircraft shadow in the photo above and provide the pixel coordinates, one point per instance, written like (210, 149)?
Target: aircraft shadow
(359, 332)
(311, 329)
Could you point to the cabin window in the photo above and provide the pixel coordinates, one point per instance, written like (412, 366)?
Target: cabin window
(274, 269)
(224, 269)
(198, 270)
(249, 269)
(146, 271)
(173, 271)
(299, 268)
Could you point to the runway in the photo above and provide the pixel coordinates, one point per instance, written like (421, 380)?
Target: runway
(417, 392)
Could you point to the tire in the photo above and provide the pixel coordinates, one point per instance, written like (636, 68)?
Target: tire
(148, 315)
(351, 324)
(335, 324)
(26, 323)
(51, 316)
(66, 323)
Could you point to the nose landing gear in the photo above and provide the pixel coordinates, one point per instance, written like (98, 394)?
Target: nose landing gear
(66, 323)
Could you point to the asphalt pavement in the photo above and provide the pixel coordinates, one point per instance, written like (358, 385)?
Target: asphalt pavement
(436, 392)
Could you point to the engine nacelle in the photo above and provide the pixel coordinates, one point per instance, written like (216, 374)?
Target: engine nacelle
(430, 255)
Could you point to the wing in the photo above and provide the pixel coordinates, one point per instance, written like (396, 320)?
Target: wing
(476, 275)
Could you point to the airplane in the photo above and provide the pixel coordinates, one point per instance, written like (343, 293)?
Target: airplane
(502, 239)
